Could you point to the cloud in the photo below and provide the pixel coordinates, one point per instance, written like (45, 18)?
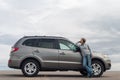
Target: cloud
(115, 58)
(6, 39)
(115, 67)
(4, 5)
(5, 52)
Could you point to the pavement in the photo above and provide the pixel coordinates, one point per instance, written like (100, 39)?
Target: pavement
(67, 75)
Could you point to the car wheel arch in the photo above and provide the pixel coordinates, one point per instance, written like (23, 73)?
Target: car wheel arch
(100, 60)
(30, 58)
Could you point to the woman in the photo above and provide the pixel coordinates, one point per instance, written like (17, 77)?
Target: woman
(87, 55)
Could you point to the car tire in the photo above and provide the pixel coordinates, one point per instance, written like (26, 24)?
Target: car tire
(30, 68)
(98, 68)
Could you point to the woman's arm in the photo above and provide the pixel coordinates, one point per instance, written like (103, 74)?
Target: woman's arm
(89, 50)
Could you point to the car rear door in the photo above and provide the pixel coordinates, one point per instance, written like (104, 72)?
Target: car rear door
(48, 53)
(69, 58)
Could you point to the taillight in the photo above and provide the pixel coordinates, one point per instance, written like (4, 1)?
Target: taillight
(14, 49)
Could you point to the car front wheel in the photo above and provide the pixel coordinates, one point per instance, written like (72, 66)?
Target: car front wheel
(98, 69)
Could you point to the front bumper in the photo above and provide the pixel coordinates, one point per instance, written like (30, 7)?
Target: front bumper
(108, 65)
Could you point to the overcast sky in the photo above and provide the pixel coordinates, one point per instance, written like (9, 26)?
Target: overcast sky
(96, 20)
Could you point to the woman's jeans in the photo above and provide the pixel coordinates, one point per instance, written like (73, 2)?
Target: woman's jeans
(87, 64)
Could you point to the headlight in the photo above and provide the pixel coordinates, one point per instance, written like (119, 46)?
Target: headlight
(105, 56)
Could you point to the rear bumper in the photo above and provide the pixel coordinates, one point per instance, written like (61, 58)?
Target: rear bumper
(14, 64)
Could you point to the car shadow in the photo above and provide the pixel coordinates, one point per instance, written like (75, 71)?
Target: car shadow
(41, 75)
(49, 75)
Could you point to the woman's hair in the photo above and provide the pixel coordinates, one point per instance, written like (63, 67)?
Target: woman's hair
(84, 40)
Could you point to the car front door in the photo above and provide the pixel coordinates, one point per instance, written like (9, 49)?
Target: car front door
(69, 57)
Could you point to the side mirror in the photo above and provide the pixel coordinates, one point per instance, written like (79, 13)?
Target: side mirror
(77, 49)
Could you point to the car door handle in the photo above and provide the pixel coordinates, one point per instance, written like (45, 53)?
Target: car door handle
(36, 51)
(62, 53)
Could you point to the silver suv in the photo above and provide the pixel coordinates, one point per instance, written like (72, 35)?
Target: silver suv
(32, 54)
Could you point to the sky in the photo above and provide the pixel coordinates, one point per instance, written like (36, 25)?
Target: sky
(96, 20)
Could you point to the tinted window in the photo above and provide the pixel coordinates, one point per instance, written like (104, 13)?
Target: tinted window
(31, 42)
(66, 45)
(47, 43)
(42, 43)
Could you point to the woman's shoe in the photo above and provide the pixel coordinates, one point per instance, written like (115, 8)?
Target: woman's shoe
(89, 76)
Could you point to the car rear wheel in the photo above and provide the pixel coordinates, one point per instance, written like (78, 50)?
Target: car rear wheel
(30, 68)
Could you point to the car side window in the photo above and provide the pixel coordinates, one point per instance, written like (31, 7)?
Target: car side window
(63, 46)
(47, 43)
(41, 43)
(31, 42)
(66, 45)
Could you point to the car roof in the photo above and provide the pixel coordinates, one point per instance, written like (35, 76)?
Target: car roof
(48, 37)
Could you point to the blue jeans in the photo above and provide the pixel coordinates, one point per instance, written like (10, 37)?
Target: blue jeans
(87, 64)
